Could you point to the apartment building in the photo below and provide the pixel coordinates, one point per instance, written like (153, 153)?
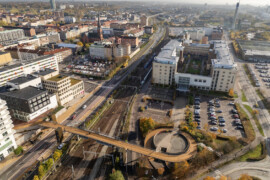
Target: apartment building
(144, 20)
(7, 140)
(121, 50)
(65, 88)
(14, 71)
(70, 19)
(28, 103)
(197, 49)
(223, 68)
(101, 50)
(165, 64)
(5, 58)
(9, 37)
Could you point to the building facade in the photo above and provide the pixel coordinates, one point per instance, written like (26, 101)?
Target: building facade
(11, 36)
(28, 67)
(7, 140)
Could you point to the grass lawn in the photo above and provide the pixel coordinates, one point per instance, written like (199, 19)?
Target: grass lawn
(193, 70)
(248, 74)
(244, 98)
(258, 124)
(257, 152)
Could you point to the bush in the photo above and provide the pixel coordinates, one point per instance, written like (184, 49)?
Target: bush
(49, 164)
(116, 175)
(18, 150)
(36, 177)
(146, 124)
(41, 171)
(56, 155)
(262, 156)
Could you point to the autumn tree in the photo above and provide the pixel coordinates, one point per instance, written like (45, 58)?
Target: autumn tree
(36, 177)
(146, 124)
(181, 169)
(231, 93)
(57, 155)
(80, 43)
(208, 178)
(245, 177)
(41, 171)
(116, 175)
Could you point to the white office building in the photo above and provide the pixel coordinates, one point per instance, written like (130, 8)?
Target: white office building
(11, 72)
(7, 141)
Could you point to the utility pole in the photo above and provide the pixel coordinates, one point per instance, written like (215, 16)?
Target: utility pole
(73, 174)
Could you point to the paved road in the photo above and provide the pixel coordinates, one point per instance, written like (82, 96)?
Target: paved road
(48, 143)
(135, 148)
(260, 169)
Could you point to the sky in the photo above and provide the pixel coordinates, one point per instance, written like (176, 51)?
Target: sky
(250, 2)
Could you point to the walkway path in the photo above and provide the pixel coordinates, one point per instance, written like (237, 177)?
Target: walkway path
(135, 148)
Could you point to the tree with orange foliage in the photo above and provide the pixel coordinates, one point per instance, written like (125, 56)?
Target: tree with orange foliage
(231, 93)
(181, 169)
(146, 124)
(245, 177)
(208, 178)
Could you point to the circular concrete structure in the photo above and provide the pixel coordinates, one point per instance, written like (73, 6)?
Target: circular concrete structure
(170, 142)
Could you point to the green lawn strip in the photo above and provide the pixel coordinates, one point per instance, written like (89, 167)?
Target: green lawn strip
(244, 98)
(264, 100)
(248, 74)
(254, 153)
(249, 131)
(258, 124)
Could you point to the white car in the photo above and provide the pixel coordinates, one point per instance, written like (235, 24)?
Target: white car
(213, 128)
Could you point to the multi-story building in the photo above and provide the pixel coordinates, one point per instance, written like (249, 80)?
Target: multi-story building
(14, 71)
(165, 64)
(101, 50)
(65, 88)
(217, 34)
(70, 19)
(28, 103)
(7, 140)
(5, 58)
(11, 36)
(121, 50)
(25, 81)
(28, 31)
(223, 70)
(53, 4)
(149, 29)
(197, 49)
(133, 41)
(144, 20)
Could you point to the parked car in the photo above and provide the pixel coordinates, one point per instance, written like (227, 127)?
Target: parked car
(61, 146)
(220, 117)
(217, 105)
(219, 111)
(213, 128)
(240, 127)
(231, 103)
(198, 127)
(222, 124)
(234, 111)
(197, 107)
(224, 130)
(235, 116)
(197, 116)
(222, 120)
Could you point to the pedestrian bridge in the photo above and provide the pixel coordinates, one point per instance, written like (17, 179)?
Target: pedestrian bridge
(121, 144)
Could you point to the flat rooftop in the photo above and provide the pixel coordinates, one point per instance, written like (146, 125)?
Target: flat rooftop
(57, 78)
(74, 81)
(25, 93)
(19, 64)
(254, 45)
(223, 57)
(168, 54)
(44, 72)
(22, 80)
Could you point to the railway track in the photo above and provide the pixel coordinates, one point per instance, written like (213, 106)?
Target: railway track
(114, 113)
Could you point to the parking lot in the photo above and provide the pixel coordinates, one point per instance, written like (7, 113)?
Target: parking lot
(216, 115)
(262, 74)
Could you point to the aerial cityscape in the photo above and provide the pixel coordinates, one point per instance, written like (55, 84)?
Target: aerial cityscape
(134, 90)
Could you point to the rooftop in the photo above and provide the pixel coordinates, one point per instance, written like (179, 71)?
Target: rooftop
(223, 58)
(6, 68)
(74, 81)
(168, 54)
(255, 47)
(21, 80)
(45, 72)
(25, 93)
(57, 78)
